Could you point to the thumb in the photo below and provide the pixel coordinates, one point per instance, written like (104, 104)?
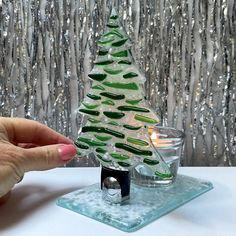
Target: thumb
(47, 157)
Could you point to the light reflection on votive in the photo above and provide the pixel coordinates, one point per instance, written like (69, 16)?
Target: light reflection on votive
(169, 144)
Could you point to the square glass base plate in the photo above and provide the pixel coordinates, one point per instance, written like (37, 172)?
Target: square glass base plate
(145, 204)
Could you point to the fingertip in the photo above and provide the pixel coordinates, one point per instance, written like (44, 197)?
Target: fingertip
(67, 152)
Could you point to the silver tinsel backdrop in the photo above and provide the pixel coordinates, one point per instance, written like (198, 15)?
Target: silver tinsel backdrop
(186, 48)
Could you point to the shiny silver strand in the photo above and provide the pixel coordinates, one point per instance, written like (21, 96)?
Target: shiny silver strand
(186, 49)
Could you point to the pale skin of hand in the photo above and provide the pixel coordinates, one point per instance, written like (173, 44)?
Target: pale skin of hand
(27, 145)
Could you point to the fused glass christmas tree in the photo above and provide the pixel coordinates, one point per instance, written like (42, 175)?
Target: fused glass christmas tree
(117, 116)
(117, 129)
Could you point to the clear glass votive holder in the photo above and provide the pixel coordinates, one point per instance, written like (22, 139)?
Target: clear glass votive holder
(169, 144)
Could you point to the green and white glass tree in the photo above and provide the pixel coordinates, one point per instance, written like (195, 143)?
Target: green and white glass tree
(117, 129)
(117, 116)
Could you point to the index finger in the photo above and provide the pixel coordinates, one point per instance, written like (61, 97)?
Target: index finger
(21, 130)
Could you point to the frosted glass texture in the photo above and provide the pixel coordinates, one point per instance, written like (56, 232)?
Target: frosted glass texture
(145, 204)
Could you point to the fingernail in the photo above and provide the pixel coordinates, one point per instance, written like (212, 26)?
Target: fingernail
(67, 152)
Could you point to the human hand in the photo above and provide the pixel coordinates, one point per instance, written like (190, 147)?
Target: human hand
(27, 145)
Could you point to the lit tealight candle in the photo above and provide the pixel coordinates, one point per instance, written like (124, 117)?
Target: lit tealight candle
(157, 142)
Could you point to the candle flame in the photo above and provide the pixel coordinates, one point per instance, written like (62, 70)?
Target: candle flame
(157, 142)
(154, 136)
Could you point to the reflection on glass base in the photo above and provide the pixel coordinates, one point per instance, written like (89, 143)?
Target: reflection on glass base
(145, 204)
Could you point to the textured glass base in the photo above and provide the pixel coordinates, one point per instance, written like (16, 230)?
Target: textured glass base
(145, 204)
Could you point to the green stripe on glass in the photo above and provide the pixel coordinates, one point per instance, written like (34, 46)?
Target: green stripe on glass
(89, 112)
(150, 162)
(97, 77)
(125, 62)
(91, 142)
(120, 157)
(90, 106)
(112, 26)
(120, 54)
(104, 63)
(98, 87)
(114, 17)
(102, 52)
(130, 75)
(132, 108)
(133, 150)
(105, 41)
(113, 95)
(108, 102)
(131, 127)
(139, 142)
(102, 159)
(123, 164)
(101, 150)
(112, 71)
(80, 145)
(94, 121)
(94, 97)
(119, 43)
(113, 123)
(128, 86)
(102, 130)
(145, 119)
(102, 138)
(164, 175)
(114, 115)
(134, 101)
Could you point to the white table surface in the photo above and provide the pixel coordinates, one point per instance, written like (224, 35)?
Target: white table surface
(31, 210)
